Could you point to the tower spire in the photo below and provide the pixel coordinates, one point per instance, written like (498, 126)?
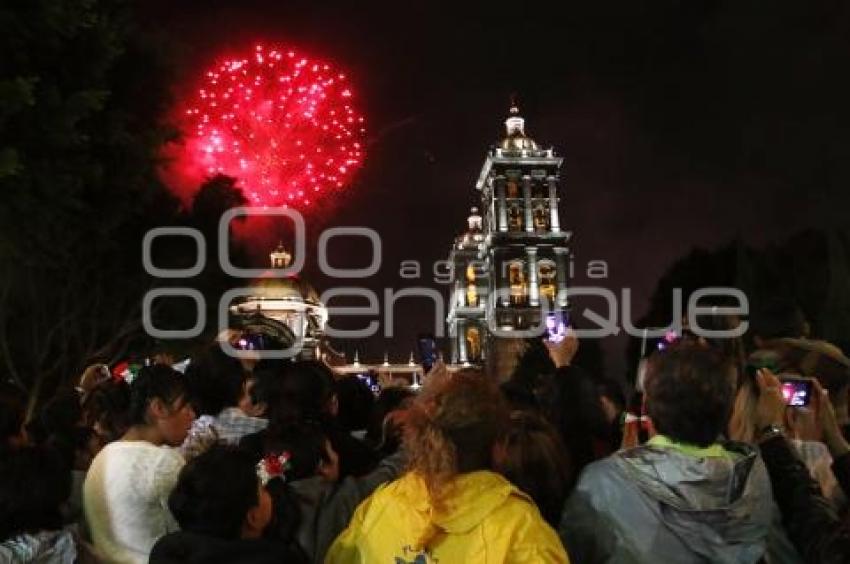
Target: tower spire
(514, 109)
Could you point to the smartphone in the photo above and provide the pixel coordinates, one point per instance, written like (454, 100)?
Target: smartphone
(427, 351)
(371, 381)
(556, 326)
(251, 342)
(796, 391)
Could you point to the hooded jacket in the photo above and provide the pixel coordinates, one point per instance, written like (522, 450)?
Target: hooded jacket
(662, 502)
(485, 519)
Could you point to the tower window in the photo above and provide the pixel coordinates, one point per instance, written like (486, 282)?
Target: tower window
(541, 217)
(473, 344)
(539, 189)
(471, 289)
(547, 277)
(518, 283)
(515, 214)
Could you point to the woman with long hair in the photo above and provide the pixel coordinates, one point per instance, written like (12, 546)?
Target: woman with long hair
(450, 506)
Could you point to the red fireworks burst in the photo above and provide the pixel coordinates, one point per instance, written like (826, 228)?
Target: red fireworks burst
(285, 126)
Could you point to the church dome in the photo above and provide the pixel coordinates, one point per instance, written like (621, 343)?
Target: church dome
(270, 287)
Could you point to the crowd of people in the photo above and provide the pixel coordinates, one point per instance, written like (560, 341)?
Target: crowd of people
(235, 460)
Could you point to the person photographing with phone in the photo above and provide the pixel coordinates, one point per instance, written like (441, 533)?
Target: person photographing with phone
(809, 519)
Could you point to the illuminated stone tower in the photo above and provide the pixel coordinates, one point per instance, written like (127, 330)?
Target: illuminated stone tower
(520, 252)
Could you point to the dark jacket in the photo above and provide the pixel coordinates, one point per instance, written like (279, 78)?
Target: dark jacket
(191, 548)
(809, 519)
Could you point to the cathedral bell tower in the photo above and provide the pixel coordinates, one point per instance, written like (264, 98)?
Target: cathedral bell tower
(466, 321)
(520, 264)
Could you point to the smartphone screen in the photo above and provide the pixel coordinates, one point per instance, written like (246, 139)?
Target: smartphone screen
(556, 327)
(251, 342)
(796, 391)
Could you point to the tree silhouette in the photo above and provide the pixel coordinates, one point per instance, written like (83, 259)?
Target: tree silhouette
(81, 99)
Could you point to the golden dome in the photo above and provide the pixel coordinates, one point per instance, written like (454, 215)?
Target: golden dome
(270, 287)
(518, 142)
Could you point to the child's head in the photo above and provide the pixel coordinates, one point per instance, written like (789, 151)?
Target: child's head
(215, 381)
(220, 494)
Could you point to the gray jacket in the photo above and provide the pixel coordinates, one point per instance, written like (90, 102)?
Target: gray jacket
(657, 504)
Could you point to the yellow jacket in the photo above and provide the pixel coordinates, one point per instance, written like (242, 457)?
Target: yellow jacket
(486, 519)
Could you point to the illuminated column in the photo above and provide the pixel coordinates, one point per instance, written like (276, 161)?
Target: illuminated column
(453, 336)
(561, 264)
(501, 211)
(533, 290)
(461, 341)
(502, 286)
(554, 222)
(526, 196)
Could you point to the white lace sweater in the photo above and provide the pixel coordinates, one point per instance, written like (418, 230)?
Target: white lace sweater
(125, 498)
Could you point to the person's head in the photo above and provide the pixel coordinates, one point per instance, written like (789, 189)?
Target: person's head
(306, 393)
(689, 391)
(611, 398)
(158, 400)
(219, 494)
(261, 393)
(106, 409)
(13, 410)
(356, 401)
(380, 430)
(306, 444)
(34, 483)
(214, 381)
(60, 415)
(453, 428)
(532, 456)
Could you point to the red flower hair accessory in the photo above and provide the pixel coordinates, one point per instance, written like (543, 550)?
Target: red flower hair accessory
(274, 466)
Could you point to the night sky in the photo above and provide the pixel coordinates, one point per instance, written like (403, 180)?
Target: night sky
(682, 123)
